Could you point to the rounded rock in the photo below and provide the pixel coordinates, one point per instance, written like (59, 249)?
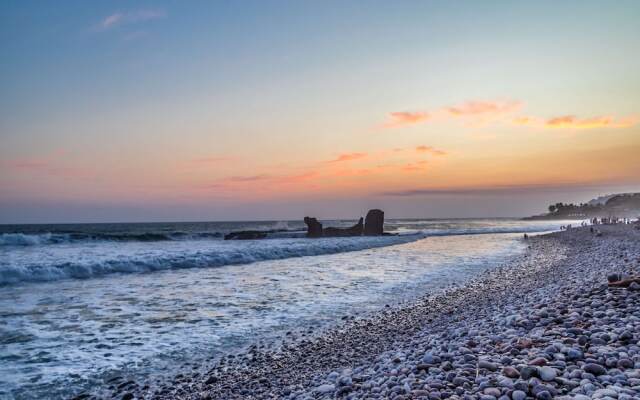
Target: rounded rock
(547, 374)
(518, 395)
(594, 369)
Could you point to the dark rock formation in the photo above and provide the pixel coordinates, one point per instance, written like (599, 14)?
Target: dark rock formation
(314, 228)
(374, 223)
(355, 230)
(245, 235)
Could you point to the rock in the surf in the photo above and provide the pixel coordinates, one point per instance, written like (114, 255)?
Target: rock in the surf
(245, 235)
(374, 222)
(314, 228)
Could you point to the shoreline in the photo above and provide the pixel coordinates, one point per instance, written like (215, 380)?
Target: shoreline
(414, 350)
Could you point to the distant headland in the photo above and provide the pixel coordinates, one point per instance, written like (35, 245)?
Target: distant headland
(622, 205)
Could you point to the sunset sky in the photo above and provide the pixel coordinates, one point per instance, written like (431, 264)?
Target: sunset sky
(159, 111)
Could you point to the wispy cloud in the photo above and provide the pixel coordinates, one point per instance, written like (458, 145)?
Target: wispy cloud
(572, 122)
(475, 108)
(26, 164)
(404, 118)
(249, 178)
(479, 109)
(575, 123)
(211, 160)
(50, 166)
(130, 17)
(492, 190)
(348, 157)
(260, 182)
(298, 178)
(415, 167)
(483, 111)
(430, 150)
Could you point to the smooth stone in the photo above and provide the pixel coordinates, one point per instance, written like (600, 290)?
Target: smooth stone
(605, 393)
(547, 374)
(544, 395)
(625, 363)
(539, 361)
(594, 369)
(518, 395)
(491, 391)
(510, 372)
(528, 372)
(326, 388)
(487, 365)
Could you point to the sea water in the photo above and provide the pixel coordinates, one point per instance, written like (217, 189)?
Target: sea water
(80, 304)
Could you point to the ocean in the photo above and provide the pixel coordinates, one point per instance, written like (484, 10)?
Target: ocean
(83, 303)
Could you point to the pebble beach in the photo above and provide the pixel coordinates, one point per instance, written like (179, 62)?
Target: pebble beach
(544, 326)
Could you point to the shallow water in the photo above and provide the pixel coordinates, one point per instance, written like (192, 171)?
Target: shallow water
(63, 336)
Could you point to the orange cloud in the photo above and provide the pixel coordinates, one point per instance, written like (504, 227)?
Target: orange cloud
(348, 157)
(431, 150)
(250, 178)
(259, 181)
(403, 118)
(572, 122)
(292, 179)
(481, 111)
(474, 108)
(211, 160)
(471, 108)
(524, 120)
(419, 166)
(352, 172)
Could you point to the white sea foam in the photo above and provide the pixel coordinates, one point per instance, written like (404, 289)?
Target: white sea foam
(70, 334)
(81, 261)
(21, 239)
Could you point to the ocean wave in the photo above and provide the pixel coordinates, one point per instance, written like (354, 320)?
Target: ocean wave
(23, 239)
(221, 255)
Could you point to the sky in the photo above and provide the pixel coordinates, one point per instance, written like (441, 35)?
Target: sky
(217, 110)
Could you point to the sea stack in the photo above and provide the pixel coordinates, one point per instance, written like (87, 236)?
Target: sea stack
(314, 228)
(374, 223)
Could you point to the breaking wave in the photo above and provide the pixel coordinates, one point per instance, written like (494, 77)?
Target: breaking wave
(214, 254)
(23, 239)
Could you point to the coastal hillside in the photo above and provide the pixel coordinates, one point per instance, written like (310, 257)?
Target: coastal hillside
(623, 205)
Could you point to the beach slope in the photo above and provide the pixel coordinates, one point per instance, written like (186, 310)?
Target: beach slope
(545, 326)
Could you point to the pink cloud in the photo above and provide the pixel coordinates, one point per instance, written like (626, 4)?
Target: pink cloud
(50, 167)
(260, 180)
(474, 108)
(26, 164)
(482, 111)
(413, 167)
(430, 150)
(404, 118)
(292, 179)
(250, 178)
(524, 120)
(348, 157)
(211, 160)
(471, 108)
